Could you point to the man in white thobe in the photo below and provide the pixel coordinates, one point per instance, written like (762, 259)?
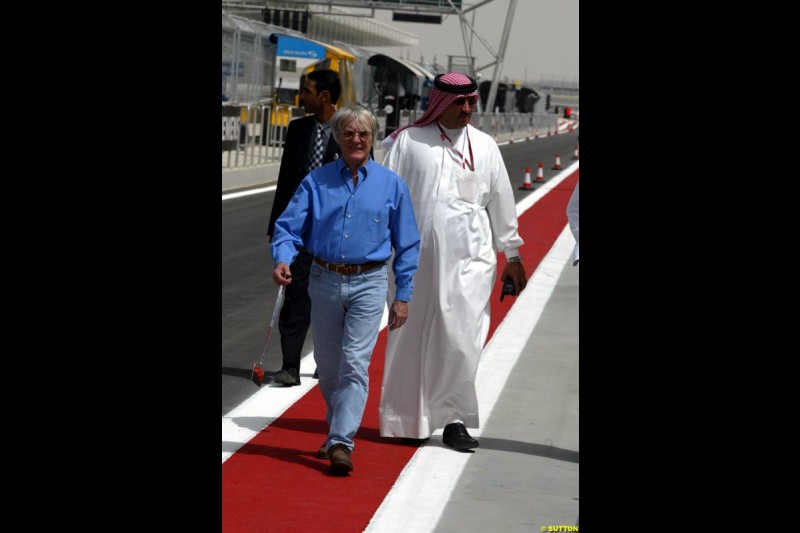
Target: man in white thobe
(466, 214)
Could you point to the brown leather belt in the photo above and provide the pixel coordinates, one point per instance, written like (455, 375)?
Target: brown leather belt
(348, 269)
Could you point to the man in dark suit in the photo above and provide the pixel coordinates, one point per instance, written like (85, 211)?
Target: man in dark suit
(320, 92)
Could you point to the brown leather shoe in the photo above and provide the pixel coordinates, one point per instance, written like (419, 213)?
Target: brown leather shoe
(322, 453)
(341, 462)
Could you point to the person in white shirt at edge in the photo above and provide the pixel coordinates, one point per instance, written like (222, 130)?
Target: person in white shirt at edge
(572, 216)
(466, 213)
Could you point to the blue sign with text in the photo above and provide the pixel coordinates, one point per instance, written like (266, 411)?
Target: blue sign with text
(299, 48)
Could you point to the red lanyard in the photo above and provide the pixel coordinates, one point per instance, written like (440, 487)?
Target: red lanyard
(464, 163)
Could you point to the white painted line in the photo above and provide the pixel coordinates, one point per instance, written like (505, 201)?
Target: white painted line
(266, 405)
(239, 194)
(427, 481)
(549, 185)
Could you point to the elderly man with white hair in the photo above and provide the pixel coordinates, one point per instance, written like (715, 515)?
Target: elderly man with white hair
(352, 215)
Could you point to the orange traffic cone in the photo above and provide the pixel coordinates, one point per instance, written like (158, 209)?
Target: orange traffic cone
(527, 185)
(575, 155)
(540, 173)
(557, 166)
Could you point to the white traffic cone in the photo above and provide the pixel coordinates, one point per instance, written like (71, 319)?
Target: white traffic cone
(557, 166)
(540, 173)
(527, 185)
(575, 155)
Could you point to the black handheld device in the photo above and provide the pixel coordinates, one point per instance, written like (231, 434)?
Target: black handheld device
(508, 288)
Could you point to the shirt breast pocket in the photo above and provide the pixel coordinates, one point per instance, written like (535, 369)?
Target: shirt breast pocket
(376, 227)
(471, 189)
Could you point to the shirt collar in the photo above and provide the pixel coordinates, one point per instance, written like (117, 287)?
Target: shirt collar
(363, 170)
(454, 133)
(325, 127)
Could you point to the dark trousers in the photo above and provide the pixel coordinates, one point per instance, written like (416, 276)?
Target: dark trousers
(295, 314)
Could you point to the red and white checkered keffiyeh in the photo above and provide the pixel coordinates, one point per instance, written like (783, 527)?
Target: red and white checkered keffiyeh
(458, 85)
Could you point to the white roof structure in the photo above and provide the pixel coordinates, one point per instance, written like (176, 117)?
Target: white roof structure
(330, 23)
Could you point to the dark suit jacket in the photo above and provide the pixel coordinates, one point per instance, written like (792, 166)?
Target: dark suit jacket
(296, 148)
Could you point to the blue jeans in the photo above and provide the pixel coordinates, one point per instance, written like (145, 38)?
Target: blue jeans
(346, 313)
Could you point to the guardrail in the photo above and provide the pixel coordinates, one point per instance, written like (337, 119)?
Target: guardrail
(252, 134)
(501, 123)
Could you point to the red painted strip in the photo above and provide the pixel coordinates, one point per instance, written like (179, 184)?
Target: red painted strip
(275, 482)
(539, 227)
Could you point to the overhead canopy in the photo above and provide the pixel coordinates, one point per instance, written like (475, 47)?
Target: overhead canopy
(329, 22)
(342, 62)
(381, 60)
(313, 55)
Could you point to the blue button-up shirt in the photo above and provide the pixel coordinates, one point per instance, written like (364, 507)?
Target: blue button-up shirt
(342, 224)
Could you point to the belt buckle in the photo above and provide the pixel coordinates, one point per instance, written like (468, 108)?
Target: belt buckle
(341, 268)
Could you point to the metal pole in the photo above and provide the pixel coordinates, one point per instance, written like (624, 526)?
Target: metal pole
(467, 48)
(235, 66)
(500, 56)
(476, 6)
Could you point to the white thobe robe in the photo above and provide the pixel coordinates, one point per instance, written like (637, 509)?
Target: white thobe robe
(572, 217)
(464, 219)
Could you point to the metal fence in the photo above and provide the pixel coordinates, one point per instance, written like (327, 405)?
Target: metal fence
(248, 59)
(252, 134)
